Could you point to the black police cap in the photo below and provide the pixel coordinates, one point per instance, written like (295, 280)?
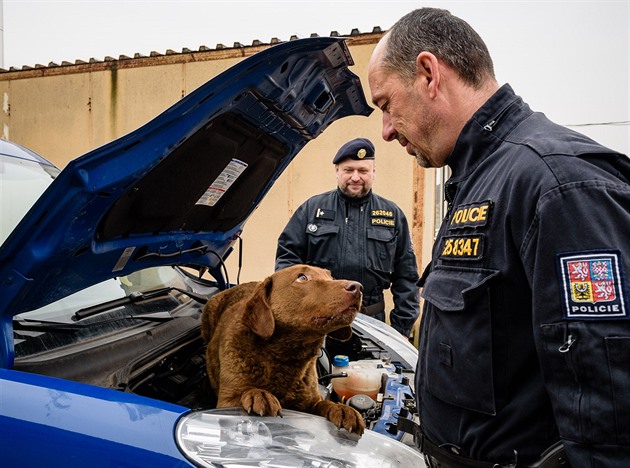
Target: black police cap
(357, 149)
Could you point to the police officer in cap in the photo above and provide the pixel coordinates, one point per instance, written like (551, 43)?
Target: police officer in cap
(357, 235)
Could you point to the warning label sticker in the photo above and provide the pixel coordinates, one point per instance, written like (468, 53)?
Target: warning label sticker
(222, 183)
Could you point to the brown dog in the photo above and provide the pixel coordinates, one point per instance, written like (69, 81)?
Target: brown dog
(264, 339)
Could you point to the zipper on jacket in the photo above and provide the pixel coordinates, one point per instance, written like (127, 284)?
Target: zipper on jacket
(493, 123)
(450, 189)
(569, 339)
(490, 125)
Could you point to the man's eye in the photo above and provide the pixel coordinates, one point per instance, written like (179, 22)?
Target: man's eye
(302, 277)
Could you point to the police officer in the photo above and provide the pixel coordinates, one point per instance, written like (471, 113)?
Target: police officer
(357, 235)
(525, 335)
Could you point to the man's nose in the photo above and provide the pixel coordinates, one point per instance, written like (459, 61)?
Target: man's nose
(388, 133)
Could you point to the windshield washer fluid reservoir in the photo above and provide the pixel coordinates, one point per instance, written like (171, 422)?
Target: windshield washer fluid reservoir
(364, 376)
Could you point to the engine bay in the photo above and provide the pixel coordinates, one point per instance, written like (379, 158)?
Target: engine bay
(179, 376)
(165, 360)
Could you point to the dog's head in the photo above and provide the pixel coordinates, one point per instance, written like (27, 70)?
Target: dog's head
(304, 298)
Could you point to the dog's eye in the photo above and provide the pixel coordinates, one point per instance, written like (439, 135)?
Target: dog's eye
(302, 277)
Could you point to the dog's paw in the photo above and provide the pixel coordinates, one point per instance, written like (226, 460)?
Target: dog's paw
(341, 416)
(261, 402)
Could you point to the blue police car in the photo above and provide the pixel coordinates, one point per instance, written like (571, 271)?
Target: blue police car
(105, 267)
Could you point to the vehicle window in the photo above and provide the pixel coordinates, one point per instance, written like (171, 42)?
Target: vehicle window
(112, 320)
(21, 184)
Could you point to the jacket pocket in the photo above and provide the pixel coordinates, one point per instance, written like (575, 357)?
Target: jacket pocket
(322, 245)
(381, 249)
(459, 344)
(587, 373)
(618, 351)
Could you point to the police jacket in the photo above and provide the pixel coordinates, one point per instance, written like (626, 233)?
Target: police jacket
(363, 239)
(525, 336)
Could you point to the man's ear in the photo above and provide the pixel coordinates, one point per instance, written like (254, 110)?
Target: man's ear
(258, 313)
(428, 71)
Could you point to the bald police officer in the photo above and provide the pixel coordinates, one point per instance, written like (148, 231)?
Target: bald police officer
(357, 235)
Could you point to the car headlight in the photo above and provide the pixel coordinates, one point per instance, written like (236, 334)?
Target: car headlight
(229, 437)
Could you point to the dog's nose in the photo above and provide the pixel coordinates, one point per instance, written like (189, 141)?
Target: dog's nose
(354, 287)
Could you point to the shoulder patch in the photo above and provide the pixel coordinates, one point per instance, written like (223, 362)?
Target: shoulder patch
(592, 285)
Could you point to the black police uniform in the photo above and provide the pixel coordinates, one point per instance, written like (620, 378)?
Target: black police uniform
(364, 239)
(525, 337)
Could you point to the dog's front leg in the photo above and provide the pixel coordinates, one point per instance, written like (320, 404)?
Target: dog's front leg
(340, 415)
(261, 402)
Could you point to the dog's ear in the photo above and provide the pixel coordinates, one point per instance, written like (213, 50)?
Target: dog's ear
(342, 334)
(258, 313)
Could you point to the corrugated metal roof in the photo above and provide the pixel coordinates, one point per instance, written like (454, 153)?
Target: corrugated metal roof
(169, 52)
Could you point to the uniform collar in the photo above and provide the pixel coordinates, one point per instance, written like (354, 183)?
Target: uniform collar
(486, 130)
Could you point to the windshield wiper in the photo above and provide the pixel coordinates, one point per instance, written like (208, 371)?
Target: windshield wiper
(131, 298)
(43, 325)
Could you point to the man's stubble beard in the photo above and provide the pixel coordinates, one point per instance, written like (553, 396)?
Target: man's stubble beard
(350, 194)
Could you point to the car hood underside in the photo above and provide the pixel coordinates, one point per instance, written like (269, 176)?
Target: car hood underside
(178, 190)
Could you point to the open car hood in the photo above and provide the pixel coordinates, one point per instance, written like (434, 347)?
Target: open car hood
(178, 190)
